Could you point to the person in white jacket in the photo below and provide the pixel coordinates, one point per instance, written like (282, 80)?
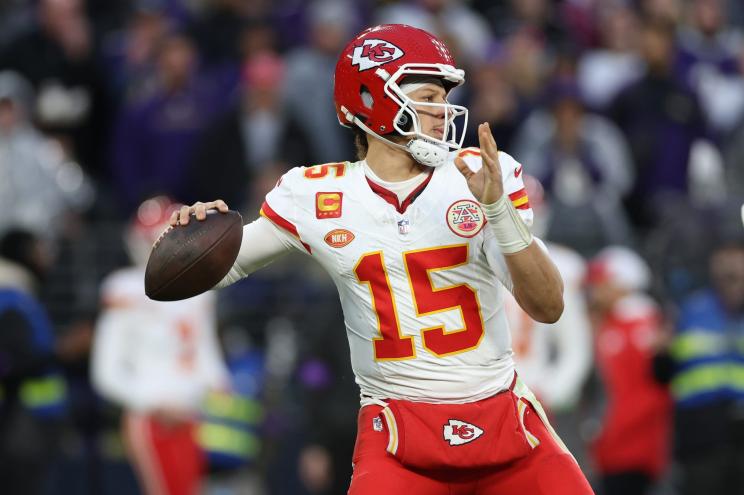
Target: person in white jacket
(556, 359)
(157, 361)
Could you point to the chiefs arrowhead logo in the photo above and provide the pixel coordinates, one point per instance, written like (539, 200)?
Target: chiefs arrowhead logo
(338, 238)
(465, 218)
(517, 171)
(373, 53)
(458, 432)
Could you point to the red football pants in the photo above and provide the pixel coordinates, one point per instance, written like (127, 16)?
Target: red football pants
(546, 470)
(167, 458)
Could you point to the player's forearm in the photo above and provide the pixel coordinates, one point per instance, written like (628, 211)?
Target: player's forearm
(235, 274)
(536, 283)
(538, 287)
(261, 245)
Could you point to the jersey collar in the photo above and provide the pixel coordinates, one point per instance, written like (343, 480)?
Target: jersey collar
(392, 198)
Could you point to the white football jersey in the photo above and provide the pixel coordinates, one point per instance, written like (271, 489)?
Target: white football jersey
(420, 287)
(150, 354)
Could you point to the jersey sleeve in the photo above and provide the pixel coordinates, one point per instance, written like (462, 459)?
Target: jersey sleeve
(271, 235)
(280, 208)
(512, 177)
(262, 243)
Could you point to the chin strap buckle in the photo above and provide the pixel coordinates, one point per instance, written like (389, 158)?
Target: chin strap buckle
(427, 153)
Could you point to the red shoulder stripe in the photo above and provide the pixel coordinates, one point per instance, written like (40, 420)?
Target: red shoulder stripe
(518, 194)
(520, 200)
(281, 222)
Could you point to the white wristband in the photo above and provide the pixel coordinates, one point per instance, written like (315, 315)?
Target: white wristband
(512, 234)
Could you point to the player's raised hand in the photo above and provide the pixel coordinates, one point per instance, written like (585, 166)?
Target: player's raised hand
(198, 209)
(485, 184)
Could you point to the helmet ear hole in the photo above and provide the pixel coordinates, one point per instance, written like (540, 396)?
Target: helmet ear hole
(404, 121)
(367, 99)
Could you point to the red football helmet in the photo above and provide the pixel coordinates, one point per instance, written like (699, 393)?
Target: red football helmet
(621, 267)
(367, 91)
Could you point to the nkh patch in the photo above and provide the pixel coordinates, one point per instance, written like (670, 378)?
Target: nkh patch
(458, 432)
(338, 238)
(373, 53)
(328, 204)
(465, 218)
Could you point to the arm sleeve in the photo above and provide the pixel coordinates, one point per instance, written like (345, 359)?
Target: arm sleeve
(262, 243)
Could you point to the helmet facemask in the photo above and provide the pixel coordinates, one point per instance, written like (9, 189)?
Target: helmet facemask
(426, 149)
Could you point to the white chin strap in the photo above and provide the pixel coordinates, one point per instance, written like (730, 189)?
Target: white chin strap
(423, 151)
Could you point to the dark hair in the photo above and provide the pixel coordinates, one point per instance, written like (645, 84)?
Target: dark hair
(360, 143)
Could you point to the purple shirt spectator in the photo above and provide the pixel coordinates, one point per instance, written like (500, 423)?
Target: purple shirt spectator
(708, 63)
(584, 164)
(155, 135)
(661, 120)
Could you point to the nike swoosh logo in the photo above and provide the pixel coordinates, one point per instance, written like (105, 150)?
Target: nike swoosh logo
(517, 171)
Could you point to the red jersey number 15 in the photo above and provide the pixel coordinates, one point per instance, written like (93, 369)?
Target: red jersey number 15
(428, 300)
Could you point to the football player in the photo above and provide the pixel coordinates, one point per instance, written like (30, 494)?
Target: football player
(419, 235)
(158, 362)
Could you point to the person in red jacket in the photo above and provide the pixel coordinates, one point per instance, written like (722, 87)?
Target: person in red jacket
(632, 448)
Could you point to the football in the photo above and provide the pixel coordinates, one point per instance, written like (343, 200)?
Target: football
(190, 259)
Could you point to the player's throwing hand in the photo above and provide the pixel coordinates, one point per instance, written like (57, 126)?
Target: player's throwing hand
(198, 209)
(485, 184)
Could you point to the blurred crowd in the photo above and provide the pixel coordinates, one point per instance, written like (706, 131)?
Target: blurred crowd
(627, 115)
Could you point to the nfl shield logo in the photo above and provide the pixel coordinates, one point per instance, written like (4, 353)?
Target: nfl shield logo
(377, 423)
(403, 227)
